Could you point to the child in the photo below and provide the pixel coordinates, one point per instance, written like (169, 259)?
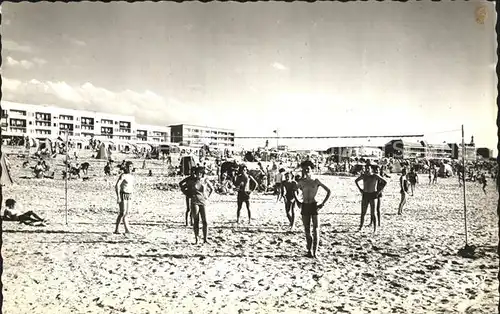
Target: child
(124, 188)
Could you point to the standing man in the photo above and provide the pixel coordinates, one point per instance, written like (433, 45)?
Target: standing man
(124, 188)
(370, 192)
(242, 183)
(413, 178)
(198, 187)
(380, 187)
(184, 189)
(309, 188)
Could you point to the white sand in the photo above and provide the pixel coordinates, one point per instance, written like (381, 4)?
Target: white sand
(411, 266)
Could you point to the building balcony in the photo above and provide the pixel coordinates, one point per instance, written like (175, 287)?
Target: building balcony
(16, 114)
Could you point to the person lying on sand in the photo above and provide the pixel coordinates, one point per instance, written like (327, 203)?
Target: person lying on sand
(288, 188)
(309, 207)
(242, 183)
(124, 188)
(197, 188)
(370, 192)
(184, 189)
(28, 218)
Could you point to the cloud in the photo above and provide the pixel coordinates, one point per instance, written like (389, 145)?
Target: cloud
(279, 66)
(74, 41)
(14, 46)
(39, 61)
(23, 63)
(147, 106)
(78, 42)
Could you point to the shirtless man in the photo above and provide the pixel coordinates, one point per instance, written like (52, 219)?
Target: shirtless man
(124, 188)
(198, 190)
(370, 191)
(381, 186)
(183, 185)
(413, 179)
(309, 188)
(242, 184)
(288, 188)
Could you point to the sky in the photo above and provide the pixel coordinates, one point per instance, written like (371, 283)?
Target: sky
(304, 69)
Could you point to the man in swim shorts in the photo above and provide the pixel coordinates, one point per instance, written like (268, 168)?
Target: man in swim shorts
(309, 207)
(242, 184)
(370, 191)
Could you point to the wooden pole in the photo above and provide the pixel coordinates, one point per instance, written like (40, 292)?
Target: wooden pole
(463, 183)
(66, 178)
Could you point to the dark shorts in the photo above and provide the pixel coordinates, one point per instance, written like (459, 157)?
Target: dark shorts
(125, 196)
(368, 196)
(243, 196)
(309, 209)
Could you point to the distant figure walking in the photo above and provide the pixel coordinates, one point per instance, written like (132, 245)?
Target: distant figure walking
(434, 175)
(309, 207)
(124, 188)
(403, 184)
(484, 181)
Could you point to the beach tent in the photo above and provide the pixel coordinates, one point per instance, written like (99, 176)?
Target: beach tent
(6, 179)
(46, 144)
(102, 153)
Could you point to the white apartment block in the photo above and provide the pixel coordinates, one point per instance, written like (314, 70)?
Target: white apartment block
(43, 121)
(197, 136)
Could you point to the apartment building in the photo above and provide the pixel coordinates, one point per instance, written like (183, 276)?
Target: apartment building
(197, 136)
(152, 133)
(41, 122)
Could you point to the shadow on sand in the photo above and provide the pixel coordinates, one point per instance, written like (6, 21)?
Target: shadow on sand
(54, 231)
(131, 241)
(203, 256)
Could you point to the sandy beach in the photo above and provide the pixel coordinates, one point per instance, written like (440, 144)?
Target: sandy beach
(410, 266)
